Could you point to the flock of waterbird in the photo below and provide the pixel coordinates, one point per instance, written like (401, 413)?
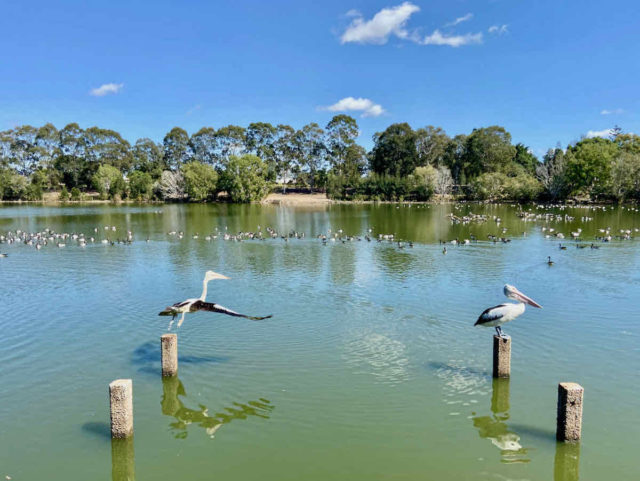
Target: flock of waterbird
(492, 317)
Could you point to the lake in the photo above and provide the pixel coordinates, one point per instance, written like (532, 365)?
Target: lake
(370, 369)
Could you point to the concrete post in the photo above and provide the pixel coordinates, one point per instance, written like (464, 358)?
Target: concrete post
(501, 356)
(569, 420)
(121, 398)
(169, 348)
(122, 460)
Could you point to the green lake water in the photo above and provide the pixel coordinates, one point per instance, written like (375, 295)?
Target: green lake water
(370, 368)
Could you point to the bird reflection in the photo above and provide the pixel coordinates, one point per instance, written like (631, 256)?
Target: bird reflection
(494, 426)
(172, 405)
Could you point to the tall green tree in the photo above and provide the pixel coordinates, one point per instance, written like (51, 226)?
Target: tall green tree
(431, 145)
(176, 148)
(342, 131)
(71, 162)
(589, 165)
(525, 158)
(394, 152)
(310, 141)
(107, 147)
(245, 178)
(230, 140)
(204, 144)
(488, 149)
(148, 158)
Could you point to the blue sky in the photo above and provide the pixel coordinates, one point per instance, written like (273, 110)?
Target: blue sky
(549, 71)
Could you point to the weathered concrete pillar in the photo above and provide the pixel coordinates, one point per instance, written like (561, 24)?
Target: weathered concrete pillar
(567, 462)
(121, 398)
(169, 348)
(501, 356)
(569, 420)
(122, 460)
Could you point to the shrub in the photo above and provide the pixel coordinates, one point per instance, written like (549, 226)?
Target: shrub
(200, 181)
(64, 194)
(245, 178)
(75, 194)
(170, 186)
(140, 185)
(104, 180)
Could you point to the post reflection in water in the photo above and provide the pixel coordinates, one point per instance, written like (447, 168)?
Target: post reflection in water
(567, 462)
(122, 460)
(495, 428)
(173, 406)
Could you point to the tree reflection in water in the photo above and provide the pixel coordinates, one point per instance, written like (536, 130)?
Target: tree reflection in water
(494, 426)
(172, 405)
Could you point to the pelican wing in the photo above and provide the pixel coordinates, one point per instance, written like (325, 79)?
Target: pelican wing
(212, 307)
(492, 314)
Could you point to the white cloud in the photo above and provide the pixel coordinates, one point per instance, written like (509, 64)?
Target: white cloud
(458, 20)
(353, 13)
(606, 133)
(106, 89)
(437, 38)
(612, 112)
(388, 21)
(348, 104)
(499, 29)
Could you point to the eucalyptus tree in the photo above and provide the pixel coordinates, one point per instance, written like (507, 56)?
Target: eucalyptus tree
(107, 147)
(431, 145)
(230, 140)
(260, 140)
(342, 130)
(285, 152)
(148, 157)
(310, 141)
(204, 145)
(23, 152)
(176, 148)
(70, 161)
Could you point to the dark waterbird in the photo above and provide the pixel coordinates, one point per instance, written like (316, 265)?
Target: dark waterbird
(199, 304)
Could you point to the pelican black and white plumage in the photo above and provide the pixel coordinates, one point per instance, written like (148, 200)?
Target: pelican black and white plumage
(503, 313)
(199, 304)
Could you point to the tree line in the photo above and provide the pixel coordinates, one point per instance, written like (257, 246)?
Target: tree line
(247, 162)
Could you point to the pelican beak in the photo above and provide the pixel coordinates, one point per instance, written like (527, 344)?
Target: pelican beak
(526, 299)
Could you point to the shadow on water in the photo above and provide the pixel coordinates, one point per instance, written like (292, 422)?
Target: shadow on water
(100, 429)
(147, 356)
(494, 426)
(172, 405)
(441, 366)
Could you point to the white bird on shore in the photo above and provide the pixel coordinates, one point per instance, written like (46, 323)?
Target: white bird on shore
(199, 304)
(503, 313)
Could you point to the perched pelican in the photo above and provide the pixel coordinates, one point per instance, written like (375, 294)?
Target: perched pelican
(503, 313)
(198, 304)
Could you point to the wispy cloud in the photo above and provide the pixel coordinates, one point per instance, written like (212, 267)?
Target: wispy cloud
(393, 21)
(464, 18)
(351, 104)
(599, 133)
(611, 112)
(388, 21)
(106, 89)
(499, 29)
(437, 38)
(193, 109)
(353, 13)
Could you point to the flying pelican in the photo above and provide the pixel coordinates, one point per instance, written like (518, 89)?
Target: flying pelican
(198, 304)
(503, 313)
